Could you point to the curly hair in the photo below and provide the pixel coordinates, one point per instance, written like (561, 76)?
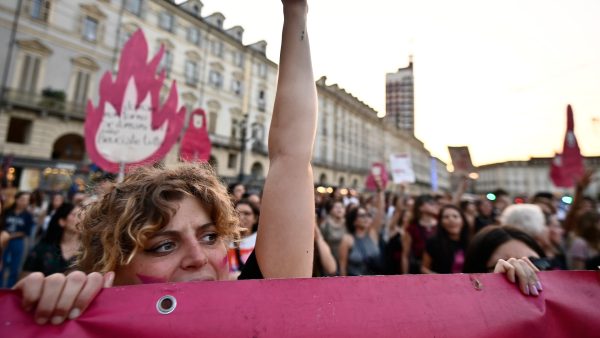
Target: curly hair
(116, 227)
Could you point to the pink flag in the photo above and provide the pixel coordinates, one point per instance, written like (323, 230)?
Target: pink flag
(457, 305)
(570, 167)
(195, 145)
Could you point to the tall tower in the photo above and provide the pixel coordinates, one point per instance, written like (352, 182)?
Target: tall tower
(400, 98)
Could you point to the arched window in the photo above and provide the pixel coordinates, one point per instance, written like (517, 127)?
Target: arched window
(69, 147)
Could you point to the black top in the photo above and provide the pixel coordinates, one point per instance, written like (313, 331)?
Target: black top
(48, 259)
(251, 270)
(442, 253)
(393, 255)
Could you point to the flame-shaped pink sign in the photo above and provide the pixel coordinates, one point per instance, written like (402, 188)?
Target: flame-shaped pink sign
(129, 125)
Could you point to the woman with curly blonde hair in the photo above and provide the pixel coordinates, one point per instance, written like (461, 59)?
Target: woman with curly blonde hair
(173, 225)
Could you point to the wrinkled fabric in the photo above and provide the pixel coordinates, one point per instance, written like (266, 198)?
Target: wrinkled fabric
(382, 306)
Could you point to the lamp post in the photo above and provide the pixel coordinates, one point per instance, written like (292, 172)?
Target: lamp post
(257, 134)
(243, 124)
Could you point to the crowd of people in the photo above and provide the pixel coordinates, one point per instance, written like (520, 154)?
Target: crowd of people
(179, 224)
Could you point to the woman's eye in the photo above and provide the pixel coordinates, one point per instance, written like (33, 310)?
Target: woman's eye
(164, 247)
(210, 238)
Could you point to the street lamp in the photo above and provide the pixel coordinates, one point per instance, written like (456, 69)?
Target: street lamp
(255, 135)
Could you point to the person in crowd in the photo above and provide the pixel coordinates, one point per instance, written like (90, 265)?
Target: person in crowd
(239, 252)
(585, 245)
(557, 247)
(333, 228)
(173, 225)
(530, 219)
(56, 200)
(37, 208)
(498, 248)
(55, 253)
(546, 201)
(396, 251)
(501, 202)
(237, 191)
(485, 214)
(423, 226)
(469, 210)
(4, 235)
(18, 222)
(324, 263)
(359, 252)
(445, 252)
(254, 197)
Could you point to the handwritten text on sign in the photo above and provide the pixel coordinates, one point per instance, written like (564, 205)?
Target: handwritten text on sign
(129, 137)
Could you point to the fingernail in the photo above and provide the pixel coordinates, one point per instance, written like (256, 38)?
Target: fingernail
(534, 291)
(57, 320)
(538, 285)
(74, 313)
(527, 290)
(41, 320)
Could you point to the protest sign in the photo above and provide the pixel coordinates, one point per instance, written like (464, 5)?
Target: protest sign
(456, 305)
(129, 126)
(195, 145)
(461, 160)
(402, 169)
(377, 170)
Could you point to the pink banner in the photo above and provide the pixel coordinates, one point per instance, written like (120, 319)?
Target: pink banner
(459, 305)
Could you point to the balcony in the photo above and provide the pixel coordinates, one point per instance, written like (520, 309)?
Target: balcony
(46, 105)
(222, 141)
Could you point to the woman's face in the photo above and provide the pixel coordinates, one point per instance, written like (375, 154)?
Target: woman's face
(187, 249)
(57, 200)
(247, 217)
(338, 210)
(452, 222)
(511, 249)
(239, 191)
(72, 220)
(556, 230)
(22, 202)
(362, 218)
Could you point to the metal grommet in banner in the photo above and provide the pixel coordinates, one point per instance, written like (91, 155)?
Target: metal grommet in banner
(166, 304)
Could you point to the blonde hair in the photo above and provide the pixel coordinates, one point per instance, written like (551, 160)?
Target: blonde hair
(115, 228)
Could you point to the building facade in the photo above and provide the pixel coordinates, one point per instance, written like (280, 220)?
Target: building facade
(525, 178)
(57, 51)
(400, 99)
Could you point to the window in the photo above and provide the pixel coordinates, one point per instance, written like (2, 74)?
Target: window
(193, 36)
(212, 122)
(236, 87)
(238, 59)
(262, 70)
(215, 79)
(217, 48)
(166, 62)
(191, 73)
(134, 6)
(232, 161)
(166, 21)
(18, 130)
(262, 101)
(234, 126)
(82, 84)
(29, 74)
(90, 29)
(40, 9)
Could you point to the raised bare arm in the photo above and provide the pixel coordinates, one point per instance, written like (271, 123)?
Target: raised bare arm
(285, 240)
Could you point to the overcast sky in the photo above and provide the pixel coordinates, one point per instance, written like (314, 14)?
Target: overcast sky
(493, 75)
